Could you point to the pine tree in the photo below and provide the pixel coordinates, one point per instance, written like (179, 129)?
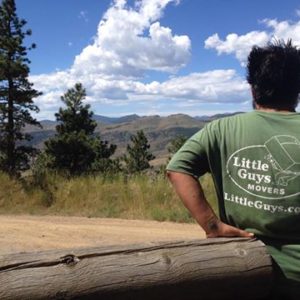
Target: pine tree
(75, 148)
(76, 117)
(138, 154)
(176, 144)
(16, 92)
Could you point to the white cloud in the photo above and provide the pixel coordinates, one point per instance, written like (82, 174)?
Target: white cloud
(83, 15)
(59, 80)
(130, 41)
(285, 30)
(240, 45)
(218, 86)
(209, 87)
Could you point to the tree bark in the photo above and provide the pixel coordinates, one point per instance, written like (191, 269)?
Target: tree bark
(221, 268)
(10, 131)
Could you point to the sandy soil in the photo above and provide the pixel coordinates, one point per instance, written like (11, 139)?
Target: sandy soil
(31, 233)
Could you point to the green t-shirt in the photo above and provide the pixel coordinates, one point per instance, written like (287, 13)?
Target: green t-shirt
(254, 159)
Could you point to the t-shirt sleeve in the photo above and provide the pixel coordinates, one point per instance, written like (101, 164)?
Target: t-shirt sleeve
(192, 157)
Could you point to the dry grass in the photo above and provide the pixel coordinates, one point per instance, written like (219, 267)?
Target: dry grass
(137, 197)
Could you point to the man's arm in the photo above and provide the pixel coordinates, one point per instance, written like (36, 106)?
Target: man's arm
(190, 191)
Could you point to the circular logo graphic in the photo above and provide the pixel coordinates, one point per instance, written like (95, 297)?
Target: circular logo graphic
(270, 171)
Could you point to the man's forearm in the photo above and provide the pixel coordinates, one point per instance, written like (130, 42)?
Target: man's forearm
(190, 191)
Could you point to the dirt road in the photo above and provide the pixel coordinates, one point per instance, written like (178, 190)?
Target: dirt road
(31, 233)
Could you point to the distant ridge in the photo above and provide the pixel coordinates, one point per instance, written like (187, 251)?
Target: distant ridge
(115, 120)
(217, 116)
(160, 131)
(134, 117)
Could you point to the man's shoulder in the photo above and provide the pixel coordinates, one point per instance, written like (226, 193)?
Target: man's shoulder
(237, 117)
(230, 120)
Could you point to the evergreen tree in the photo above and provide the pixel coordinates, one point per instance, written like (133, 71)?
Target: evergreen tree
(75, 148)
(76, 117)
(176, 144)
(138, 154)
(16, 92)
(103, 162)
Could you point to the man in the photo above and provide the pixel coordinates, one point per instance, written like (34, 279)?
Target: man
(254, 160)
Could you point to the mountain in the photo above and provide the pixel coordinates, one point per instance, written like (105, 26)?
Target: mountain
(110, 120)
(217, 116)
(160, 131)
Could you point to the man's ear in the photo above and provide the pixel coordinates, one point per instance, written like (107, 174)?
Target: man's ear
(254, 104)
(253, 93)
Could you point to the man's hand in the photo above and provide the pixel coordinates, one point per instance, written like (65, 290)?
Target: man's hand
(216, 228)
(190, 191)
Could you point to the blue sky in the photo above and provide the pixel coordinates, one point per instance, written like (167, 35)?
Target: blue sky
(151, 56)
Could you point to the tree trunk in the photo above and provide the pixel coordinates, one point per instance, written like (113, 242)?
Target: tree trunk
(221, 268)
(11, 163)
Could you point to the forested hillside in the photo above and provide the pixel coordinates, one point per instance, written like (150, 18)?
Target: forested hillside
(160, 131)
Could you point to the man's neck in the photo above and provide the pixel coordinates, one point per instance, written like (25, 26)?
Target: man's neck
(268, 109)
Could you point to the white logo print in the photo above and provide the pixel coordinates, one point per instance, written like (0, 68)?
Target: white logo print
(268, 171)
(283, 151)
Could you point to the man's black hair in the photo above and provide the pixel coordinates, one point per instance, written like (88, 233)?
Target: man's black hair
(274, 75)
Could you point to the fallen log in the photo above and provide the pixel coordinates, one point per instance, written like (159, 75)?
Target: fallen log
(222, 268)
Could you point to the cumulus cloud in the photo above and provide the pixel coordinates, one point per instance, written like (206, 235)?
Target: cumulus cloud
(285, 30)
(130, 40)
(237, 45)
(218, 86)
(208, 87)
(240, 45)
